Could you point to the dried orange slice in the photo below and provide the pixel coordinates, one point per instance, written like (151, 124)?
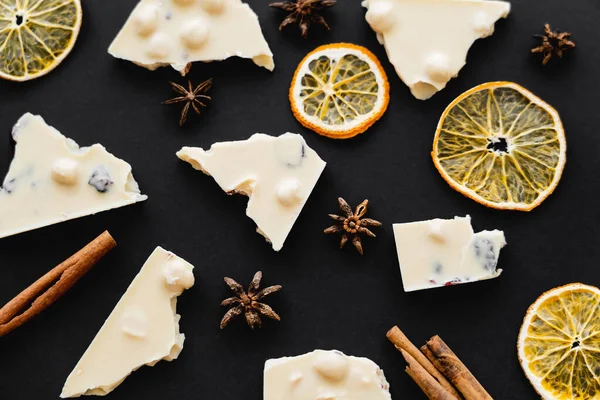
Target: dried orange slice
(559, 343)
(339, 90)
(501, 145)
(36, 35)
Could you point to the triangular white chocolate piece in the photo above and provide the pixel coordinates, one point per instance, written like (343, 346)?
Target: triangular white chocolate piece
(179, 32)
(142, 329)
(427, 41)
(51, 179)
(277, 173)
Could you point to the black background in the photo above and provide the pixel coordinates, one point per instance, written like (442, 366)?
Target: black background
(331, 298)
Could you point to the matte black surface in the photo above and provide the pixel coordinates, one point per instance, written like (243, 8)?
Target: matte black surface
(331, 298)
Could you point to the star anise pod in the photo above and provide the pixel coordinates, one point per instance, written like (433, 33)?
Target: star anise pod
(553, 43)
(304, 12)
(190, 97)
(248, 302)
(352, 224)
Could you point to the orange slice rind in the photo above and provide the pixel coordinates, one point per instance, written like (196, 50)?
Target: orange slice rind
(339, 90)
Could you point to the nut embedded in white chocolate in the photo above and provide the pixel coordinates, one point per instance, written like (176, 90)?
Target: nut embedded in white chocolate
(288, 191)
(195, 32)
(134, 322)
(437, 67)
(213, 6)
(145, 19)
(380, 16)
(159, 46)
(178, 275)
(331, 365)
(64, 171)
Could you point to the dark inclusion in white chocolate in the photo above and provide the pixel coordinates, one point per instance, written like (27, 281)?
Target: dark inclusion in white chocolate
(100, 179)
(290, 159)
(8, 186)
(486, 254)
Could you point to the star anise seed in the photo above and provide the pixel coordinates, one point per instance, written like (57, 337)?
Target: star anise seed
(304, 12)
(553, 43)
(247, 302)
(190, 97)
(352, 224)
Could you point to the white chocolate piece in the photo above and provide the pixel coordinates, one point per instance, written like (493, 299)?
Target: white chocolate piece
(324, 375)
(142, 329)
(427, 41)
(51, 179)
(277, 173)
(443, 252)
(180, 32)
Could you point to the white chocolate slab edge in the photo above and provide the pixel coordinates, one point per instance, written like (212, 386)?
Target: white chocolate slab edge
(178, 32)
(142, 329)
(48, 179)
(444, 252)
(324, 375)
(277, 173)
(427, 41)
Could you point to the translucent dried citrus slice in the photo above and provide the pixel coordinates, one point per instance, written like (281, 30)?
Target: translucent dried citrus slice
(501, 146)
(36, 35)
(339, 90)
(559, 343)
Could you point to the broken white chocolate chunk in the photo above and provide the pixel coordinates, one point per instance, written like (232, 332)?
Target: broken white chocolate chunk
(142, 329)
(427, 41)
(277, 173)
(324, 375)
(51, 179)
(443, 252)
(179, 32)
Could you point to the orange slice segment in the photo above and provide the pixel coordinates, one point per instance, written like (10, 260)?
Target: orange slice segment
(559, 343)
(36, 35)
(339, 90)
(501, 145)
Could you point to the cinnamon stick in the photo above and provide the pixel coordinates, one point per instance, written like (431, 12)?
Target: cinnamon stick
(431, 387)
(40, 295)
(448, 363)
(401, 342)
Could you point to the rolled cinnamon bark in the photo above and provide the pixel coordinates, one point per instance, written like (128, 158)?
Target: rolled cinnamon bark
(448, 363)
(401, 342)
(40, 295)
(431, 387)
